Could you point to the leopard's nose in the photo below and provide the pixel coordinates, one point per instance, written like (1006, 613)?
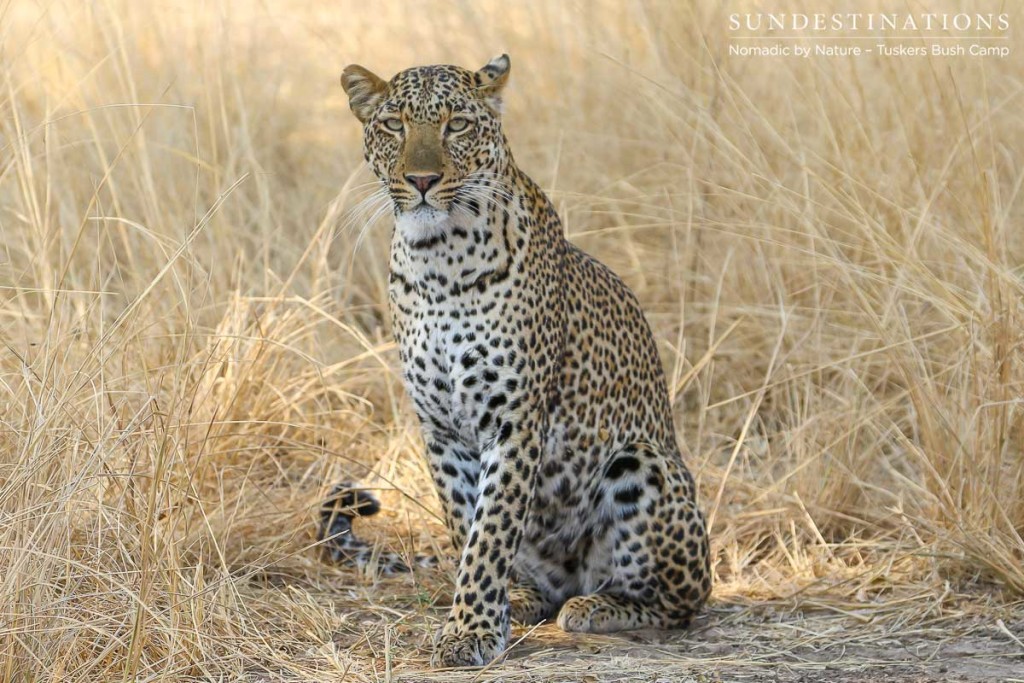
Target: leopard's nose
(423, 181)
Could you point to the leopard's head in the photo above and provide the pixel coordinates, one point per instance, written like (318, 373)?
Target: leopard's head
(432, 134)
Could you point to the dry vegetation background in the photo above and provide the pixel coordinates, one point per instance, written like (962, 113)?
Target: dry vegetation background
(829, 252)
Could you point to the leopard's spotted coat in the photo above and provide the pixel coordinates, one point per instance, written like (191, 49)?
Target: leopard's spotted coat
(536, 379)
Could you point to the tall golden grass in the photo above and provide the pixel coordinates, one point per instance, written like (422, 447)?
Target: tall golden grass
(829, 252)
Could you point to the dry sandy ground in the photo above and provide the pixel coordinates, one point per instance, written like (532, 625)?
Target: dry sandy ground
(738, 645)
(967, 637)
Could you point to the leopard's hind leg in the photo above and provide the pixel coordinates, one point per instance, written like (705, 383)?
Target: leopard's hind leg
(660, 572)
(529, 604)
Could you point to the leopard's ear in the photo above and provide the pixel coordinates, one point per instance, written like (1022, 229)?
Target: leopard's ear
(365, 90)
(491, 80)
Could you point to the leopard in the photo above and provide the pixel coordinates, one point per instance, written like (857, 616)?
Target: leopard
(535, 377)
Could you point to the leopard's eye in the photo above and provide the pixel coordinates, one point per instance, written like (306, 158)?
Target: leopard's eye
(393, 124)
(457, 124)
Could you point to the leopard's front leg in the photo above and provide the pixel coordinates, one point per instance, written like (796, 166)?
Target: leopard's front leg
(456, 472)
(477, 628)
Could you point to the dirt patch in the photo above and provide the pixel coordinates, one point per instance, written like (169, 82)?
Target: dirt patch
(733, 644)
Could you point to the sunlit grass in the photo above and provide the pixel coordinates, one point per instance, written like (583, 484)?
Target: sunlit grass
(829, 252)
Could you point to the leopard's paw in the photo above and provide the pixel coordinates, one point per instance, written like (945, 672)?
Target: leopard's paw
(466, 649)
(594, 614)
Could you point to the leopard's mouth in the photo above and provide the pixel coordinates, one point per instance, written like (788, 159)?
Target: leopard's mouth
(407, 205)
(422, 205)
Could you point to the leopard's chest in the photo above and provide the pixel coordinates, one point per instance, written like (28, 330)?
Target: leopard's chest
(454, 346)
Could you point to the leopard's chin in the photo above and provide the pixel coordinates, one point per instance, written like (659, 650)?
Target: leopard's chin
(422, 224)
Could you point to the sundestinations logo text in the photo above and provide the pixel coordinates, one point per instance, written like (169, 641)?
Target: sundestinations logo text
(870, 22)
(856, 34)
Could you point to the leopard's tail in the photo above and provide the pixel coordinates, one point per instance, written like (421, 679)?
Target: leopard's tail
(342, 505)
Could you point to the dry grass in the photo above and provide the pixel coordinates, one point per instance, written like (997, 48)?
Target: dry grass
(828, 250)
